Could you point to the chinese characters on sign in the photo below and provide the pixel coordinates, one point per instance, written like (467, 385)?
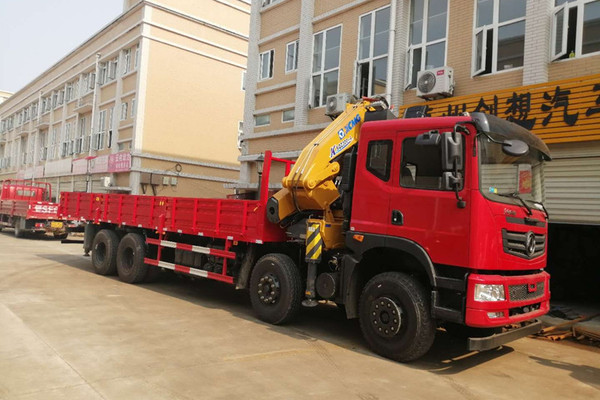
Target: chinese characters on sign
(119, 162)
(543, 109)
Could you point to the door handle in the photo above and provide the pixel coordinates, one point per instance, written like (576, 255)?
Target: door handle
(397, 217)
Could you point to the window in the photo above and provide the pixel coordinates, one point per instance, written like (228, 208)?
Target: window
(427, 37)
(421, 165)
(53, 144)
(67, 144)
(126, 61)
(69, 93)
(371, 74)
(136, 59)
(287, 116)
(43, 145)
(379, 158)
(97, 138)
(325, 65)
(268, 2)
(499, 39)
(573, 36)
(123, 111)
(262, 120)
(79, 141)
(291, 57)
(102, 70)
(244, 80)
(266, 65)
(110, 127)
(133, 103)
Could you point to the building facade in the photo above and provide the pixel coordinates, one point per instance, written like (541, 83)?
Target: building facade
(152, 104)
(535, 62)
(4, 95)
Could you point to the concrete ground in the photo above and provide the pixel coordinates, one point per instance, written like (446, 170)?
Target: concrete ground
(66, 333)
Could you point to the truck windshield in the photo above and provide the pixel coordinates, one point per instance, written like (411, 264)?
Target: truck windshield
(509, 179)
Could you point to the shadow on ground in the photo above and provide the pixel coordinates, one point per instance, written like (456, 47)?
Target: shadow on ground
(325, 322)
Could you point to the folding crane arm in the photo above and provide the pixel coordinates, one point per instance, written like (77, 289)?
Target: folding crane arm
(310, 185)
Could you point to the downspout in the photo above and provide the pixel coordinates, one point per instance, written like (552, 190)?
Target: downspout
(93, 121)
(391, 42)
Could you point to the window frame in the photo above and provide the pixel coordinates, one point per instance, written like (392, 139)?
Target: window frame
(408, 84)
(287, 52)
(567, 6)
(322, 72)
(285, 121)
(495, 25)
(388, 175)
(371, 59)
(262, 115)
(271, 54)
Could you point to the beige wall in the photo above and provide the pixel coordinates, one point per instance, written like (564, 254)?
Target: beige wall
(273, 20)
(198, 100)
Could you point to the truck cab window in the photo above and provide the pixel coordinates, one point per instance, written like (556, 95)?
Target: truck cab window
(379, 158)
(421, 166)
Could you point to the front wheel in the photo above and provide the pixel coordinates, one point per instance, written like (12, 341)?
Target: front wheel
(276, 288)
(394, 317)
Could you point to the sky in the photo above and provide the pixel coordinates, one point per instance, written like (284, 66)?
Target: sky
(35, 34)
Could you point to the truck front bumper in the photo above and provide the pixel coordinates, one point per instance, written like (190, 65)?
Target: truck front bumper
(498, 339)
(526, 297)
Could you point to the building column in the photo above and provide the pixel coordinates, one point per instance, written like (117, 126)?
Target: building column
(250, 87)
(538, 30)
(305, 43)
(399, 55)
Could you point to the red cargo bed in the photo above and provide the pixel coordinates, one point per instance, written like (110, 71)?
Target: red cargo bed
(240, 220)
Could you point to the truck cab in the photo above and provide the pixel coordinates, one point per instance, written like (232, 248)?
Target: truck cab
(456, 203)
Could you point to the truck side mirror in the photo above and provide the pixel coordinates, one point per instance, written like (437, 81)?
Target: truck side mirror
(452, 151)
(452, 164)
(515, 147)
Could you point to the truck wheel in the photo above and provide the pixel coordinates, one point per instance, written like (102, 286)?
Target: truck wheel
(19, 232)
(394, 317)
(130, 258)
(60, 236)
(276, 288)
(104, 252)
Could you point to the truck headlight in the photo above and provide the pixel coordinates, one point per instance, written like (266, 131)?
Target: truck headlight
(485, 292)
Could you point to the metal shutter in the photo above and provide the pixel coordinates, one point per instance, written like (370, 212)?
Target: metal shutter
(572, 183)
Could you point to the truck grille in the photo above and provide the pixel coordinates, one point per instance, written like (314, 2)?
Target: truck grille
(523, 244)
(522, 292)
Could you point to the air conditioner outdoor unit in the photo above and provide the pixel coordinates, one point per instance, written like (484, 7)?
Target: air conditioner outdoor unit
(438, 82)
(106, 181)
(336, 104)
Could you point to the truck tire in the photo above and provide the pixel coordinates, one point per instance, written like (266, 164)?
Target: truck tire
(60, 236)
(386, 297)
(104, 252)
(19, 232)
(276, 288)
(130, 258)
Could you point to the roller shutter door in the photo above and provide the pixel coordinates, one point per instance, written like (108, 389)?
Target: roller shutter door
(572, 183)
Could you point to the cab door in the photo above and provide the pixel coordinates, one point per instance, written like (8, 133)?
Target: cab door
(421, 209)
(373, 183)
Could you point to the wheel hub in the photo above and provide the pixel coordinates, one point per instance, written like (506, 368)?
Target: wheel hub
(385, 317)
(269, 289)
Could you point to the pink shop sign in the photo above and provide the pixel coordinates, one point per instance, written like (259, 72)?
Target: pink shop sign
(119, 162)
(98, 164)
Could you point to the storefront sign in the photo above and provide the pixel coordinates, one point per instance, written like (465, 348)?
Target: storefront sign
(98, 164)
(58, 167)
(119, 162)
(560, 111)
(80, 166)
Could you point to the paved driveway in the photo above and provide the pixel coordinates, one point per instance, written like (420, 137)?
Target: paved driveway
(66, 333)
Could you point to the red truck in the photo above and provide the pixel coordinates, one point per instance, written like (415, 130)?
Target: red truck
(410, 225)
(26, 207)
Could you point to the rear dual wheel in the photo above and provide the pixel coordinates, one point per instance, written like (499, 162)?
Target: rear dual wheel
(130, 258)
(104, 252)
